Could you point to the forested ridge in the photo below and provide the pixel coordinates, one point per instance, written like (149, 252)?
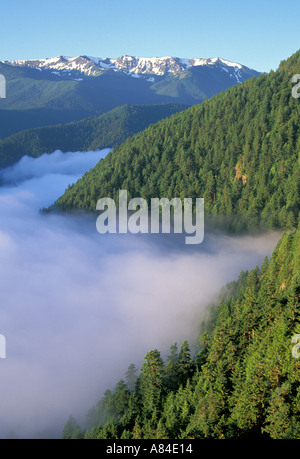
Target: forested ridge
(243, 381)
(94, 133)
(238, 150)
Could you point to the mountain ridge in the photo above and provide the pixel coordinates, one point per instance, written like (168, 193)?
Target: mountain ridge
(131, 65)
(93, 133)
(61, 90)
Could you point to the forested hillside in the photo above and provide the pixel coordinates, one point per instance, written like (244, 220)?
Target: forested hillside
(238, 150)
(243, 382)
(94, 133)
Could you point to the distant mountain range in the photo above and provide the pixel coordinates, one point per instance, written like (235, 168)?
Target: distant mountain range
(63, 89)
(150, 68)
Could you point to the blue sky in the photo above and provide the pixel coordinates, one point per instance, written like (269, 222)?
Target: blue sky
(258, 34)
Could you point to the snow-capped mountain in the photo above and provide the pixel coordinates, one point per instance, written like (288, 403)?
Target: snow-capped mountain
(150, 68)
(64, 89)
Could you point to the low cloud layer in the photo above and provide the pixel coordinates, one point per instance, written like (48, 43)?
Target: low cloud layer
(78, 307)
(48, 176)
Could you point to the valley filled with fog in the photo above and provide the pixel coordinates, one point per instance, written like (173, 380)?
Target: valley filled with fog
(77, 307)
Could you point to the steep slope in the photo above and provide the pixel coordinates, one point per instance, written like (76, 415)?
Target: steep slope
(202, 81)
(94, 133)
(243, 384)
(238, 150)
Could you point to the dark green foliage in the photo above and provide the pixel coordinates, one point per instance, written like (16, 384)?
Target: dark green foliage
(243, 382)
(238, 150)
(94, 133)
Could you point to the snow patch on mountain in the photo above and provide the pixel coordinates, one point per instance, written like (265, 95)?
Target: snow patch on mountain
(136, 67)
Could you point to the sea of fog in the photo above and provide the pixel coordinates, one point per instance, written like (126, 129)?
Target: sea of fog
(77, 308)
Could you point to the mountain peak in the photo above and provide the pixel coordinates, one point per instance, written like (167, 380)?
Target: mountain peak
(138, 67)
